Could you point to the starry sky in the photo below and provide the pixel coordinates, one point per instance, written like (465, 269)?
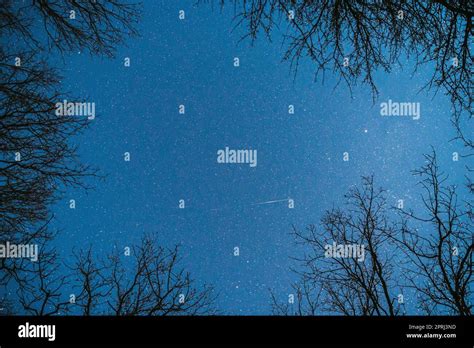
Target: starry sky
(173, 156)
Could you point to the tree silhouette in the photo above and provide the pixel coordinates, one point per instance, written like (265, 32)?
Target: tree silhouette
(41, 289)
(306, 301)
(430, 253)
(440, 267)
(69, 25)
(348, 285)
(36, 156)
(149, 282)
(354, 39)
(37, 159)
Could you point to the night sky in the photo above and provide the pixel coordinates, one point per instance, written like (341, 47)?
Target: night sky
(174, 156)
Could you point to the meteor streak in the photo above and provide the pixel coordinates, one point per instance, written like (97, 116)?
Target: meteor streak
(270, 202)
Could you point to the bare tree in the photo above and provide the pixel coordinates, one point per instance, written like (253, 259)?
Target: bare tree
(65, 25)
(428, 255)
(89, 283)
(304, 299)
(354, 39)
(347, 284)
(41, 291)
(35, 157)
(441, 255)
(37, 160)
(149, 282)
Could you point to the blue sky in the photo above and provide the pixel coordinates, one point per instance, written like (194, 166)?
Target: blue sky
(173, 156)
